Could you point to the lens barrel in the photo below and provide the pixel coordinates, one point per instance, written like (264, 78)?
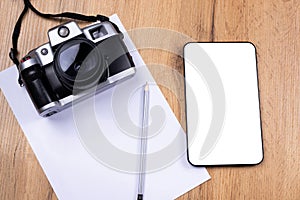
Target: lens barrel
(79, 64)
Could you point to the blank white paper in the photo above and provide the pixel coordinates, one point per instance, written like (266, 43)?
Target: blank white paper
(75, 171)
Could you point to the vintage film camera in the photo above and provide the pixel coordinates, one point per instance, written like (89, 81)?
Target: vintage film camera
(75, 64)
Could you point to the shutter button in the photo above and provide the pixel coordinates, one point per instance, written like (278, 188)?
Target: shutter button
(63, 31)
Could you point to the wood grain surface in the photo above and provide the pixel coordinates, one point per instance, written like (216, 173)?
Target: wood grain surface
(272, 25)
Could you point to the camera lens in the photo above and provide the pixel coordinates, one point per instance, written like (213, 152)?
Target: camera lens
(79, 64)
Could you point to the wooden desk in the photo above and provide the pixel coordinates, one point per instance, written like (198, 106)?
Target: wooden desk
(273, 26)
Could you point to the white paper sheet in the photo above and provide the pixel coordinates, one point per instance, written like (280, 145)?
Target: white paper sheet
(72, 159)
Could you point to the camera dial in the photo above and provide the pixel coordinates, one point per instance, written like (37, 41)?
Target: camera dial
(63, 31)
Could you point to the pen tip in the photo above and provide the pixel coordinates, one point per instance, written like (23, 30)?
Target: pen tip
(146, 86)
(140, 197)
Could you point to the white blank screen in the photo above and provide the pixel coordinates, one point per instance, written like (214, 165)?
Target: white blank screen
(222, 104)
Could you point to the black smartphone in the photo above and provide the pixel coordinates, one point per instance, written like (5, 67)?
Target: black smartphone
(222, 104)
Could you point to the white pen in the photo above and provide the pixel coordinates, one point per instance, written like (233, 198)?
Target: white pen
(143, 143)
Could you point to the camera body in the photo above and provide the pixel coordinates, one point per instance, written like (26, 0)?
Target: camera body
(75, 64)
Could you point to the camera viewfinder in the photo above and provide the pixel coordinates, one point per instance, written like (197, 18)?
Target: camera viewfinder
(98, 32)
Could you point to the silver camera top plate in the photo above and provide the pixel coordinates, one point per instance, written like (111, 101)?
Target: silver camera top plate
(57, 36)
(44, 54)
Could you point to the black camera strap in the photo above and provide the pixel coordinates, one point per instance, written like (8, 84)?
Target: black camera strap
(13, 54)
